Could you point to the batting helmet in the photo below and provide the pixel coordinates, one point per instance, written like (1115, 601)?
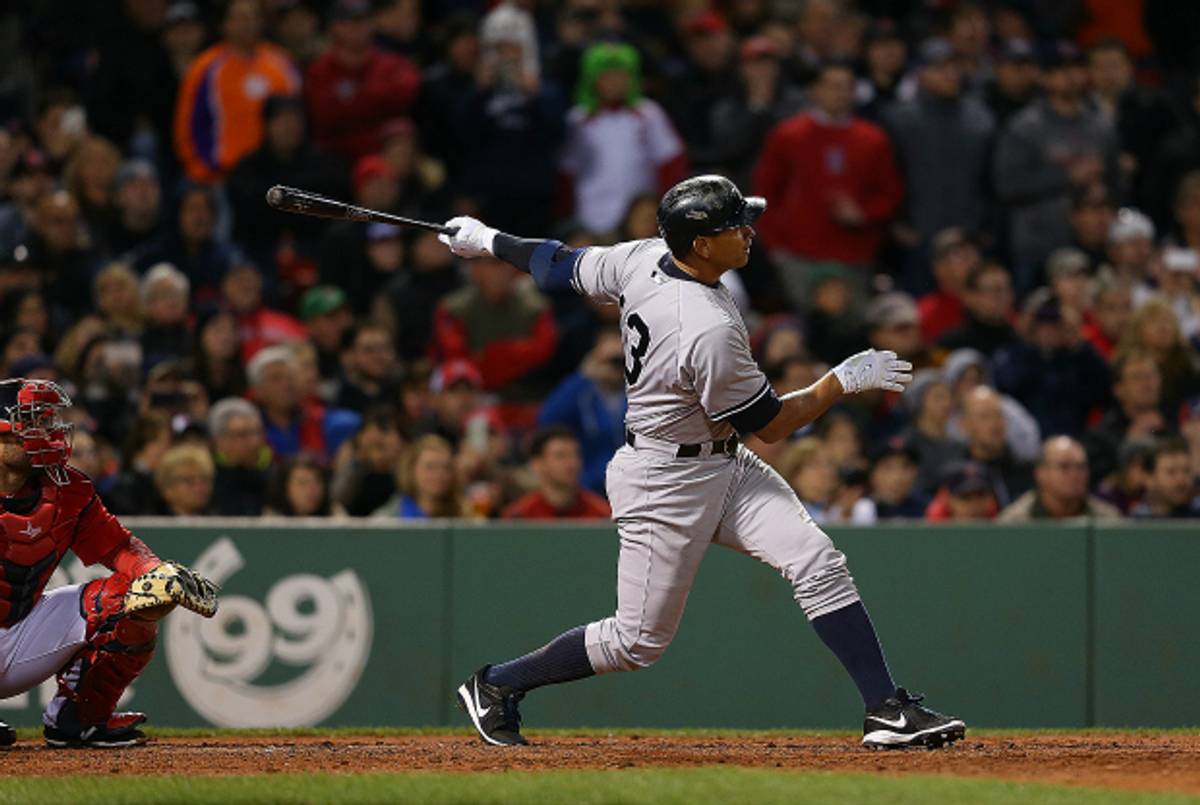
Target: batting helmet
(704, 205)
(33, 409)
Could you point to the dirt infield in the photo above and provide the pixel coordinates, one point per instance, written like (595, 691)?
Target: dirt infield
(1169, 762)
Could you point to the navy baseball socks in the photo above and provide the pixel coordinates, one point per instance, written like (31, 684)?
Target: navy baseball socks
(895, 719)
(850, 635)
(563, 659)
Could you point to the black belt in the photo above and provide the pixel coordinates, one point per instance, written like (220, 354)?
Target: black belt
(693, 450)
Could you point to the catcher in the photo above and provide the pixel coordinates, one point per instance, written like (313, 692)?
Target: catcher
(97, 637)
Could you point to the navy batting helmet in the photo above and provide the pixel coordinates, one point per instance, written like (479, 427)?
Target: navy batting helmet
(704, 205)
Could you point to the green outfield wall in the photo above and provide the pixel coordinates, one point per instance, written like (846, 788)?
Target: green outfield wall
(353, 625)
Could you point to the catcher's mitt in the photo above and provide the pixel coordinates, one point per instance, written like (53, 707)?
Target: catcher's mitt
(155, 593)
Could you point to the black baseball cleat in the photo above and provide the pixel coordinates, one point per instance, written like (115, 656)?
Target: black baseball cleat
(901, 722)
(8, 736)
(121, 730)
(492, 709)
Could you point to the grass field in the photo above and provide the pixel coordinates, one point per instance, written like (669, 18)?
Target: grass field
(440, 767)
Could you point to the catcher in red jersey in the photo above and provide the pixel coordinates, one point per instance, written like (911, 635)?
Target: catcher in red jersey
(97, 637)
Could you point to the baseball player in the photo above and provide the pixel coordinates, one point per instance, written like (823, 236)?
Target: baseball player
(97, 637)
(682, 481)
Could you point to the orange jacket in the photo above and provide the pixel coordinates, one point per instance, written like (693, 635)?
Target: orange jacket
(218, 117)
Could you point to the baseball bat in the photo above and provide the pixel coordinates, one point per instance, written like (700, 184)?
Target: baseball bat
(302, 202)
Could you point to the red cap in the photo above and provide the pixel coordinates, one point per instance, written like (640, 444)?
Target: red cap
(372, 166)
(759, 47)
(397, 127)
(455, 371)
(706, 22)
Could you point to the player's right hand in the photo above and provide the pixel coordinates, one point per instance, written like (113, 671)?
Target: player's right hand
(473, 238)
(873, 369)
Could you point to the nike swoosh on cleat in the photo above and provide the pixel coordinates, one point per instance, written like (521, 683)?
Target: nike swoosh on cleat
(484, 711)
(899, 724)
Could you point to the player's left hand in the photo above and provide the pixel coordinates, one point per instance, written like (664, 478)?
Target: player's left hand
(873, 369)
(155, 593)
(473, 238)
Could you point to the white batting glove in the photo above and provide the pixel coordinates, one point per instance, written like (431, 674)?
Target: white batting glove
(873, 369)
(473, 238)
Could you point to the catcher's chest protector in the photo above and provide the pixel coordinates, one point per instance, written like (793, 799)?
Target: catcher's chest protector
(33, 543)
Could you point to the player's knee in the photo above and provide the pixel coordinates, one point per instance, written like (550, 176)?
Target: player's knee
(611, 649)
(827, 589)
(642, 654)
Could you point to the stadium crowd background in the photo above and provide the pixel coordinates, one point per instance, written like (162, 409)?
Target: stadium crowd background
(1006, 193)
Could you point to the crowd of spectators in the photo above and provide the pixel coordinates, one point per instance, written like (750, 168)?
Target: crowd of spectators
(1004, 192)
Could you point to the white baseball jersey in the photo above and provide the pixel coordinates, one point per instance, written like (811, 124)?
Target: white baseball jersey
(690, 376)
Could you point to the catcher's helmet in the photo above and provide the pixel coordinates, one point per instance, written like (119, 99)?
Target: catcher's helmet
(33, 409)
(703, 205)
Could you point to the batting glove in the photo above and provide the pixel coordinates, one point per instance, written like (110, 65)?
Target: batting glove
(473, 238)
(873, 369)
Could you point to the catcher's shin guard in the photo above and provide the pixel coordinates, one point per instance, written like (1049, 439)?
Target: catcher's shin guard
(118, 648)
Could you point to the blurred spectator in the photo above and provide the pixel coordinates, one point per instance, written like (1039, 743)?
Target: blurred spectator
(966, 493)
(293, 424)
(354, 86)
(580, 23)
(1131, 246)
(1154, 329)
(1136, 412)
(843, 443)
(893, 481)
(893, 322)
(409, 300)
(456, 399)
(59, 254)
(425, 482)
(367, 479)
(166, 334)
(285, 157)
(132, 491)
(258, 325)
(1053, 146)
(1141, 115)
(192, 244)
(184, 479)
(929, 404)
(833, 323)
(297, 27)
(184, 35)
(502, 324)
(1125, 486)
(86, 456)
(1014, 81)
(216, 360)
(988, 312)
(1061, 487)
(445, 83)
(852, 505)
(1052, 371)
(619, 143)
(241, 457)
(554, 458)
(740, 121)
(968, 36)
(298, 487)
(1092, 216)
(814, 33)
(983, 425)
(31, 179)
(327, 319)
(1170, 488)
(138, 199)
(1067, 272)
(1174, 157)
(943, 140)
(1178, 272)
(591, 402)
(369, 376)
(1187, 211)
(831, 186)
(812, 475)
(229, 82)
(89, 176)
(885, 56)
(955, 256)
(694, 84)
(422, 178)
(60, 126)
(1109, 314)
(129, 99)
(509, 125)
(27, 310)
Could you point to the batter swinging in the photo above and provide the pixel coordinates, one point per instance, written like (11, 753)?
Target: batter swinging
(682, 481)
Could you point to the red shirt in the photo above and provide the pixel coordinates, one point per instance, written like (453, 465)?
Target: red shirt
(55, 519)
(348, 106)
(806, 163)
(534, 506)
(940, 312)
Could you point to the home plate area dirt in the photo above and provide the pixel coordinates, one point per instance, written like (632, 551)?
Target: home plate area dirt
(1149, 762)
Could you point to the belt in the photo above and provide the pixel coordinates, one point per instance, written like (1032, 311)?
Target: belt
(713, 448)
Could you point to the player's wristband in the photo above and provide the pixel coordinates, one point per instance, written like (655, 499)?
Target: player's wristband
(549, 261)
